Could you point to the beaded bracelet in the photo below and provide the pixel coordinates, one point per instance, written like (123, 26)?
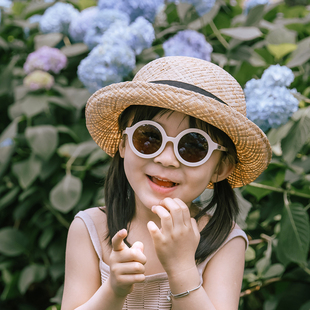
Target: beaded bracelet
(182, 294)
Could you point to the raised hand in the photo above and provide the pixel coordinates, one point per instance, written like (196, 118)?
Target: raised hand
(126, 264)
(177, 239)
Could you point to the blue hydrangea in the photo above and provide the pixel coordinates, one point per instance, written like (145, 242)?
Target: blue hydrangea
(202, 6)
(32, 20)
(188, 43)
(269, 102)
(138, 35)
(277, 75)
(57, 18)
(101, 23)
(134, 8)
(81, 23)
(6, 4)
(106, 64)
(249, 4)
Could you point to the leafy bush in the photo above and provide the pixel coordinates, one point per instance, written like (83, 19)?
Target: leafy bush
(50, 168)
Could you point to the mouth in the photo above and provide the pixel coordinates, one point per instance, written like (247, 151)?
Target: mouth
(162, 182)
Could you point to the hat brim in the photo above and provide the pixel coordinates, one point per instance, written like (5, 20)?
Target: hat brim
(104, 107)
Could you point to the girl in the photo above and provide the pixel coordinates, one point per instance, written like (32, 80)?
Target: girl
(177, 128)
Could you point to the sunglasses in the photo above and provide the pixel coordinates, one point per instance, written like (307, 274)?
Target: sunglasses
(192, 147)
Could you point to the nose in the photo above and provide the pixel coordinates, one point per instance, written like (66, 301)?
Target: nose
(167, 157)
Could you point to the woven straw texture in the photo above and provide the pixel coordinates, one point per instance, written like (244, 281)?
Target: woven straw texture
(253, 148)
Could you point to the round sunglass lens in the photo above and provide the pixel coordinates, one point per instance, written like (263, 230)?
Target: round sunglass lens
(147, 139)
(193, 147)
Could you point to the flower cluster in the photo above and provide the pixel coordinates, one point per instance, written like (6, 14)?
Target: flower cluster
(202, 6)
(46, 59)
(101, 23)
(249, 4)
(81, 23)
(134, 8)
(269, 102)
(39, 80)
(57, 18)
(188, 43)
(106, 64)
(138, 35)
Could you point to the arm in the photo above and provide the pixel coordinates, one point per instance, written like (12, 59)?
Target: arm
(83, 289)
(176, 243)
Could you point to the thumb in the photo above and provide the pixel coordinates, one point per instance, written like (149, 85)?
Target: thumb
(138, 245)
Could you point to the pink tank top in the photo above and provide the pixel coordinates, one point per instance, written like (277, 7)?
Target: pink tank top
(152, 293)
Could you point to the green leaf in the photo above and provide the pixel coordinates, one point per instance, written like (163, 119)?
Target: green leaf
(280, 50)
(301, 55)
(294, 237)
(66, 193)
(6, 76)
(250, 254)
(305, 306)
(77, 150)
(96, 156)
(46, 237)
(274, 270)
(9, 197)
(255, 15)
(281, 35)
(50, 39)
(43, 140)
(12, 242)
(75, 49)
(27, 171)
(29, 275)
(84, 4)
(296, 137)
(242, 33)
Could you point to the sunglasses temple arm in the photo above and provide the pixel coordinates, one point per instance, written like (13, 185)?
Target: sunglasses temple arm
(221, 148)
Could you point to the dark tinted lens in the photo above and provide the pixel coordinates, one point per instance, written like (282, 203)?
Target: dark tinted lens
(147, 139)
(193, 147)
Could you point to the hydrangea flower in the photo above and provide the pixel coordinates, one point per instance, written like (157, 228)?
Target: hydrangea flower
(202, 6)
(277, 75)
(57, 18)
(134, 8)
(188, 43)
(46, 59)
(81, 23)
(106, 64)
(269, 102)
(138, 35)
(249, 4)
(39, 80)
(101, 23)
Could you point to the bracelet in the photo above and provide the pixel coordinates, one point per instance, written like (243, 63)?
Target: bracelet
(182, 294)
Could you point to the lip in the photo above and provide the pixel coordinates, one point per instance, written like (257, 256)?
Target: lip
(161, 189)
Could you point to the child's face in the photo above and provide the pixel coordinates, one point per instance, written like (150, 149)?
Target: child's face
(154, 179)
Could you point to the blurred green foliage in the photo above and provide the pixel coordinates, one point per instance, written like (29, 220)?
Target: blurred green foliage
(50, 168)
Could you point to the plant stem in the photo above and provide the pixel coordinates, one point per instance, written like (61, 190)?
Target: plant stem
(280, 190)
(58, 216)
(218, 34)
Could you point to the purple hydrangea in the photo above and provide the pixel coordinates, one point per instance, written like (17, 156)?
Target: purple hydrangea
(249, 4)
(269, 102)
(58, 17)
(188, 43)
(46, 59)
(101, 23)
(106, 64)
(81, 23)
(134, 8)
(138, 35)
(39, 80)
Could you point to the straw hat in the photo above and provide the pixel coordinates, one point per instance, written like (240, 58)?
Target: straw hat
(191, 86)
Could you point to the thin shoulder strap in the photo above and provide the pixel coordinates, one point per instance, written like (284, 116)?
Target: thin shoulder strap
(90, 225)
(236, 232)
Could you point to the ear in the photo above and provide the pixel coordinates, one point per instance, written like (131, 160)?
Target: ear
(121, 147)
(223, 170)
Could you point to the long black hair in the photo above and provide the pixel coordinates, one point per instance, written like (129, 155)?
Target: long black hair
(120, 198)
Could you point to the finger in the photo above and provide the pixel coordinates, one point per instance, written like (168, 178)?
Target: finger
(175, 210)
(165, 217)
(185, 212)
(128, 268)
(154, 231)
(195, 227)
(137, 252)
(118, 243)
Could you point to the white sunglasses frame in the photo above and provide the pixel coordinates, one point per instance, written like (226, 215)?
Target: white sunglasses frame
(165, 138)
